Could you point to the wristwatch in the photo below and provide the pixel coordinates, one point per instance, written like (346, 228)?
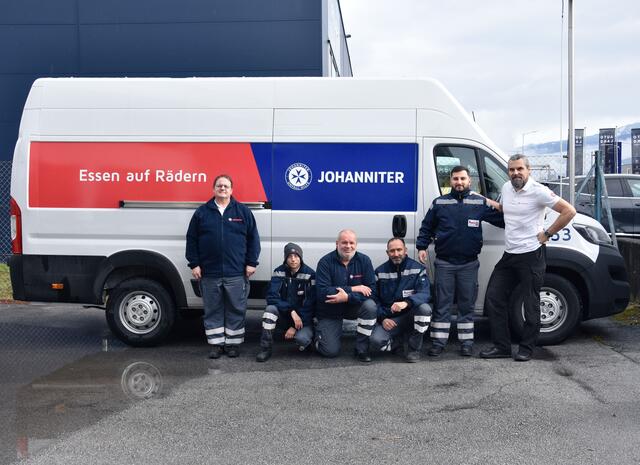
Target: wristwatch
(547, 234)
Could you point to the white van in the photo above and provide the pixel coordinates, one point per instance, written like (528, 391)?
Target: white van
(107, 173)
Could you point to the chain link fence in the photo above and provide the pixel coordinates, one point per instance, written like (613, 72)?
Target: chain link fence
(5, 230)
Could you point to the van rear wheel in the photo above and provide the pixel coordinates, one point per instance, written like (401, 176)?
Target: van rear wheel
(140, 312)
(559, 310)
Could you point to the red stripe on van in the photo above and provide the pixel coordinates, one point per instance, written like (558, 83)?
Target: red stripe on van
(101, 174)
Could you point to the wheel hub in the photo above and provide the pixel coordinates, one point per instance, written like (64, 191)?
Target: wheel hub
(553, 309)
(139, 312)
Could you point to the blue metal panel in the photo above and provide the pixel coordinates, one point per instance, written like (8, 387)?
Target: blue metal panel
(196, 11)
(14, 89)
(46, 50)
(151, 38)
(38, 12)
(200, 49)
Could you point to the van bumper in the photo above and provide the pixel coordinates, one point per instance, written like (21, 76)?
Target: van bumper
(608, 285)
(33, 275)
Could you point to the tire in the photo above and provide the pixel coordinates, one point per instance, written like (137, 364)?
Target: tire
(140, 312)
(559, 310)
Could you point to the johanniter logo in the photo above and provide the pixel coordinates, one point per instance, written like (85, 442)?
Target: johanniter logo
(298, 176)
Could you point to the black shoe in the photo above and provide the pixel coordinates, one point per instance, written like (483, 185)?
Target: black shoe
(494, 352)
(263, 355)
(466, 351)
(435, 351)
(522, 356)
(232, 351)
(215, 352)
(363, 357)
(412, 356)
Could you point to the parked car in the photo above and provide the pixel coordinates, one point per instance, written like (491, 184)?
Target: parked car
(624, 198)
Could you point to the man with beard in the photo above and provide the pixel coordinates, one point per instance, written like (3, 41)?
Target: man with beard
(403, 310)
(345, 282)
(454, 223)
(523, 263)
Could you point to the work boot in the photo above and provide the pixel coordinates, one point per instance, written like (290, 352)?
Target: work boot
(215, 352)
(435, 351)
(232, 351)
(413, 356)
(466, 351)
(263, 355)
(363, 357)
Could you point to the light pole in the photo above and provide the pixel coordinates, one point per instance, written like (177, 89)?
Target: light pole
(526, 134)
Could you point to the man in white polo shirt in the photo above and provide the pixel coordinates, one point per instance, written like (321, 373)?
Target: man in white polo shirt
(523, 203)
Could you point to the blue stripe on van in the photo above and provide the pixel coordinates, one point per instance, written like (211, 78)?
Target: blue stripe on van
(345, 176)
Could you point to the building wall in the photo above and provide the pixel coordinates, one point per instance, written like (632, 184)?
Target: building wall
(176, 38)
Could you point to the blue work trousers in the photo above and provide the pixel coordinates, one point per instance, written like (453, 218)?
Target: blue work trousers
(271, 320)
(329, 330)
(460, 281)
(225, 307)
(411, 325)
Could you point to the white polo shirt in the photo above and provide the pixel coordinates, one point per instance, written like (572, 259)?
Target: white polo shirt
(524, 215)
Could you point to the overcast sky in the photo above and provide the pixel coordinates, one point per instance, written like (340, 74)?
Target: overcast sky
(502, 59)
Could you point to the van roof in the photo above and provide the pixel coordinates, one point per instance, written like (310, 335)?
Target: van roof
(442, 115)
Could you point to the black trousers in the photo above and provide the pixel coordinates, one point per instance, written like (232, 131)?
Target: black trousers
(525, 272)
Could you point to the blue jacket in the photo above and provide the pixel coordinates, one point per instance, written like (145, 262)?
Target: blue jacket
(294, 292)
(222, 246)
(406, 282)
(331, 274)
(454, 223)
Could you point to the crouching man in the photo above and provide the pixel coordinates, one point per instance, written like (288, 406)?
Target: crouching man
(290, 303)
(402, 295)
(345, 284)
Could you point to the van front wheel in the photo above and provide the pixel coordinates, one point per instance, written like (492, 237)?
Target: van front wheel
(140, 312)
(559, 310)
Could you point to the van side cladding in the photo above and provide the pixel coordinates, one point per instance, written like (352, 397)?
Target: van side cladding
(309, 156)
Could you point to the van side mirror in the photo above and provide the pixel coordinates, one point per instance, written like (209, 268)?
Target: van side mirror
(399, 226)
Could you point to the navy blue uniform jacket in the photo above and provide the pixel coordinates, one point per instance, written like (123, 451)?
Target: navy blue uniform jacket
(223, 246)
(331, 274)
(407, 282)
(294, 292)
(454, 223)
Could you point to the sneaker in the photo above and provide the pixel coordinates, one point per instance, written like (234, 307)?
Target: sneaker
(215, 352)
(263, 355)
(466, 351)
(435, 351)
(412, 356)
(232, 351)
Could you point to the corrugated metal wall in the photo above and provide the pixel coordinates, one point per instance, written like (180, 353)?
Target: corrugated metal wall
(151, 38)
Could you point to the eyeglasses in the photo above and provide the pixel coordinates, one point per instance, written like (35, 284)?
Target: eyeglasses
(223, 186)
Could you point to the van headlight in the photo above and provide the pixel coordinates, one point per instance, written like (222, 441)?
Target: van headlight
(594, 235)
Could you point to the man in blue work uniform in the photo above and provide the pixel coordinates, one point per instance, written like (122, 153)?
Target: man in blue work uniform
(454, 223)
(290, 303)
(402, 295)
(223, 247)
(345, 282)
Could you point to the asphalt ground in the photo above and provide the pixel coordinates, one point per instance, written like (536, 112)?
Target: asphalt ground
(72, 394)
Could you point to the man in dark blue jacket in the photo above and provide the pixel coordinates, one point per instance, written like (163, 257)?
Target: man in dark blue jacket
(290, 302)
(223, 247)
(345, 283)
(454, 223)
(402, 295)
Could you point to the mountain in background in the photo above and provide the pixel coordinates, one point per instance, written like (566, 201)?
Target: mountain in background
(623, 134)
(549, 161)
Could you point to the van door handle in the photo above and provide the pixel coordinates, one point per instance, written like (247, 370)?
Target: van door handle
(399, 226)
